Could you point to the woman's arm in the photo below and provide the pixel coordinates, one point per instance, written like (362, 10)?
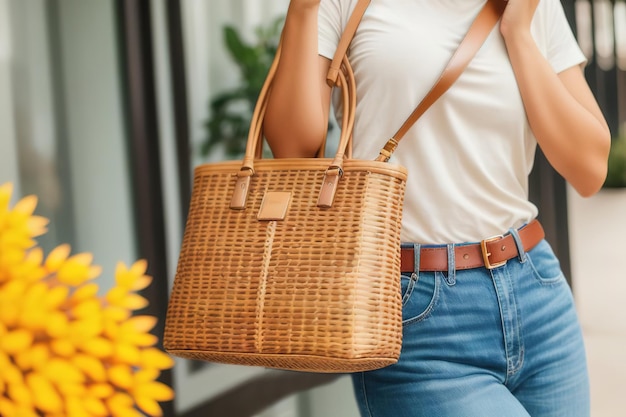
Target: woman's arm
(296, 119)
(561, 109)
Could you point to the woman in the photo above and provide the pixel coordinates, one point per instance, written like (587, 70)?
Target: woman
(496, 339)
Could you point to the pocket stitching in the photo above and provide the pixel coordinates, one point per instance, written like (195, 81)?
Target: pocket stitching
(409, 291)
(431, 305)
(559, 279)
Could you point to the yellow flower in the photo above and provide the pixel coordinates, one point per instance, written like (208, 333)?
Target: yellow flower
(77, 269)
(18, 226)
(45, 396)
(65, 350)
(16, 341)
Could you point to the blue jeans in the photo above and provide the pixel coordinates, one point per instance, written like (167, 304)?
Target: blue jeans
(480, 343)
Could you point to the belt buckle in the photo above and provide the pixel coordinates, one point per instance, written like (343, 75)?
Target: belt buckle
(486, 254)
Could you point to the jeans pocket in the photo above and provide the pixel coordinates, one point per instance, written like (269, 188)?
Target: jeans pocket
(545, 265)
(419, 296)
(407, 283)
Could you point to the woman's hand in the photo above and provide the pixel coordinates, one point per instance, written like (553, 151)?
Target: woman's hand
(517, 17)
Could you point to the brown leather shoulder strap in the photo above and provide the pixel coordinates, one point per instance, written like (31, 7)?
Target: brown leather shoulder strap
(475, 37)
(344, 42)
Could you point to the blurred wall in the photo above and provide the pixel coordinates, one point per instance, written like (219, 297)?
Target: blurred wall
(63, 127)
(8, 147)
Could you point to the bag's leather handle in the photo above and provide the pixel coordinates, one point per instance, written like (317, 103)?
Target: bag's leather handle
(255, 137)
(340, 74)
(345, 40)
(474, 39)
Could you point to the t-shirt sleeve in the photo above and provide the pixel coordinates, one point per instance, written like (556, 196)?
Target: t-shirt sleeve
(563, 49)
(329, 27)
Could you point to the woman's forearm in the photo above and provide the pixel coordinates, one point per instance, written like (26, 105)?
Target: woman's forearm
(563, 115)
(296, 120)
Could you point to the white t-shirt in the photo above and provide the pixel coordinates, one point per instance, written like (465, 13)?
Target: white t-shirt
(470, 154)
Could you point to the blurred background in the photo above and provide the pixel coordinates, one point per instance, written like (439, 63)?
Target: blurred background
(107, 105)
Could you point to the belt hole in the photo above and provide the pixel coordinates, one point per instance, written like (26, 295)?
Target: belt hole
(466, 256)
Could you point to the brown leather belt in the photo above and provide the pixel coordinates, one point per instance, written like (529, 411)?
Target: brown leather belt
(489, 253)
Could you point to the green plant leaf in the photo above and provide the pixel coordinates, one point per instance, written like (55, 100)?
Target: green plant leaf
(616, 176)
(223, 100)
(231, 110)
(246, 56)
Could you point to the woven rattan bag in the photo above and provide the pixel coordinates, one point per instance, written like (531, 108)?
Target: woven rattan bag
(291, 263)
(295, 263)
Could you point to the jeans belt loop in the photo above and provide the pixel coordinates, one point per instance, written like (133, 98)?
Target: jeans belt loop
(518, 243)
(417, 249)
(451, 278)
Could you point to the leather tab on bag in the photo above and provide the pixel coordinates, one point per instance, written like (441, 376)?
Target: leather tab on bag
(387, 150)
(274, 205)
(240, 193)
(329, 188)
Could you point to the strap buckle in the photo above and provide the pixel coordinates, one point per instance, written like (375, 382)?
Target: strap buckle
(486, 254)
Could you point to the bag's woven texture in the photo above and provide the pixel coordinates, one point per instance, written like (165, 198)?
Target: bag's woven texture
(317, 291)
(312, 284)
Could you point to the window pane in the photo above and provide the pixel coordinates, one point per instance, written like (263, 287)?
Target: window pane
(69, 125)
